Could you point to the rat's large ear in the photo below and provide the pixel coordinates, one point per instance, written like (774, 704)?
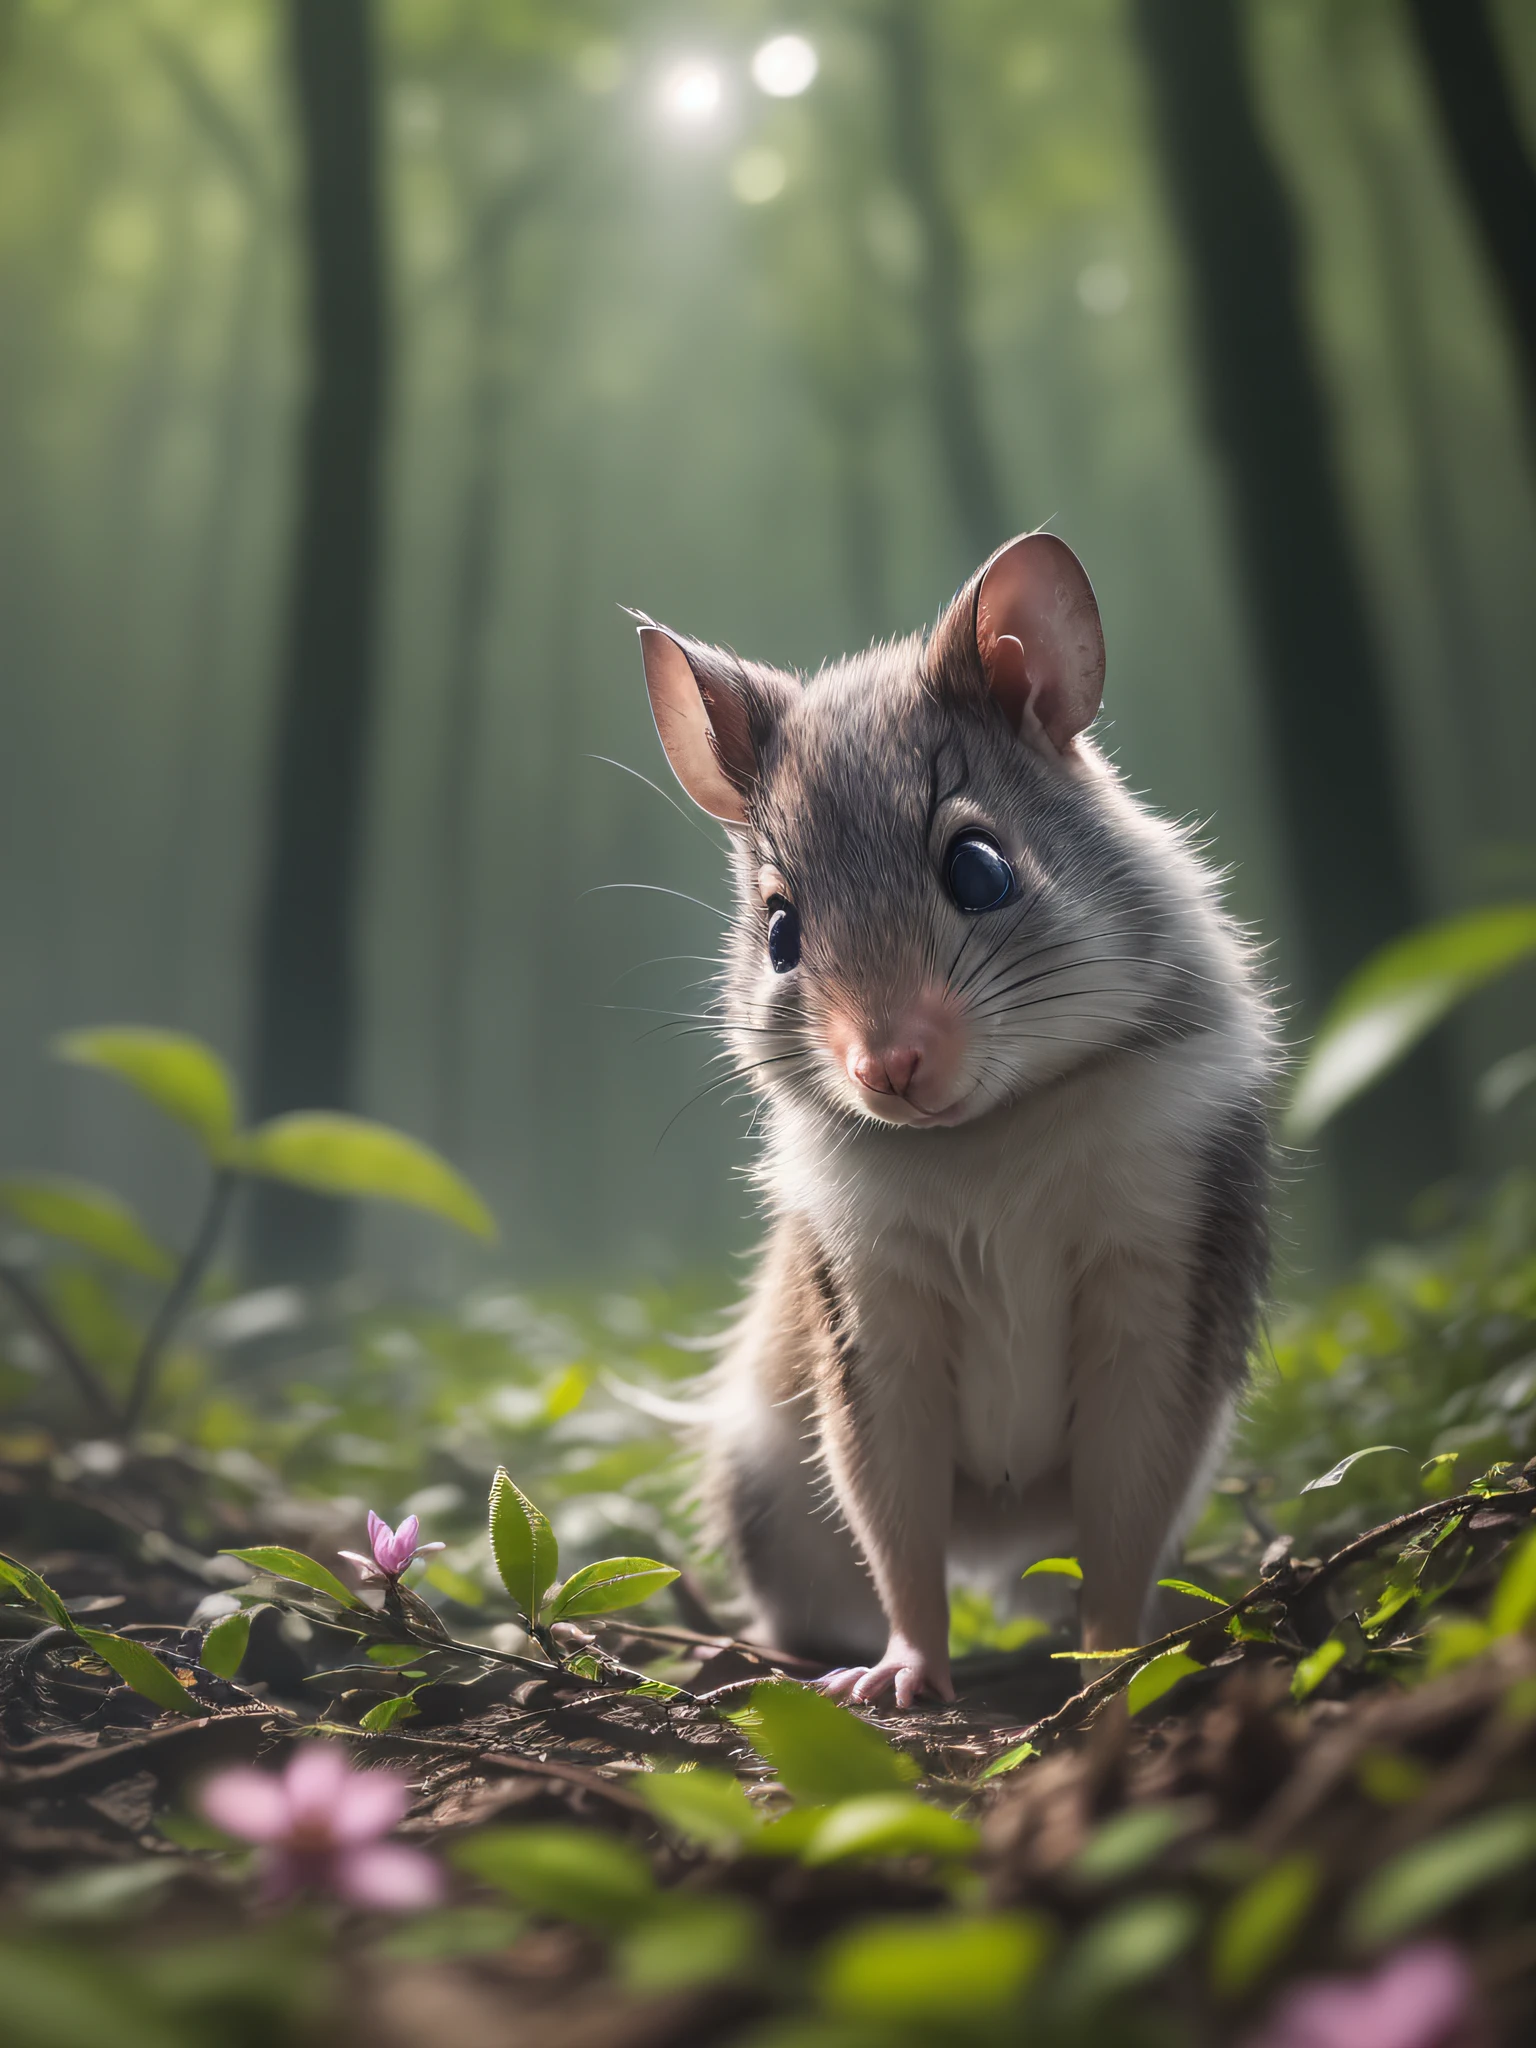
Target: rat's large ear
(703, 721)
(1039, 638)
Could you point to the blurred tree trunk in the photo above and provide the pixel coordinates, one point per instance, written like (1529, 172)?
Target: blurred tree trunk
(479, 538)
(1327, 701)
(1459, 643)
(1481, 124)
(305, 969)
(950, 369)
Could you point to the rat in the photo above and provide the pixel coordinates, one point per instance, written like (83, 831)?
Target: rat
(1014, 1062)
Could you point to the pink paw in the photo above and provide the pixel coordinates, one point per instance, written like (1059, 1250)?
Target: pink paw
(903, 1668)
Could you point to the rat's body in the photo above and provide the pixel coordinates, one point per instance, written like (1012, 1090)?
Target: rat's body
(1016, 1155)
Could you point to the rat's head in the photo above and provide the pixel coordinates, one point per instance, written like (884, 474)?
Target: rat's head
(936, 912)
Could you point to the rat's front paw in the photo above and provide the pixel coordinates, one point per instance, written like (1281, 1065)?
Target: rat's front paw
(904, 1667)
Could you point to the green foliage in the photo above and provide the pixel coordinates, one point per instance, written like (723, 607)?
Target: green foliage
(92, 1218)
(35, 1589)
(343, 1155)
(1158, 1676)
(572, 1873)
(380, 1719)
(944, 1968)
(1434, 1875)
(179, 1075)
(225, 1644)
(708, 1807)
(888, 1824)
(1398, 996)
(1258, 1925)
(1128, 1944)
(821, 1752)
(140, 1668)
(284, 1563)
(523, 1545)
(1336, 1476)
(609, 1584)
(1060, 1567)
(688, 1942)
(1124, 1845)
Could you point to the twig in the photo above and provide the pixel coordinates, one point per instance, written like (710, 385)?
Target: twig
(1073, 1711)
(59, 1342)
(182, 1291)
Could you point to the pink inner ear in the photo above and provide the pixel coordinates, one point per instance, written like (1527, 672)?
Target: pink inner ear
(1040, 639)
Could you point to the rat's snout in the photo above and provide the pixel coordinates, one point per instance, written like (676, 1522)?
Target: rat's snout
(883, 1073)
(904, 1067)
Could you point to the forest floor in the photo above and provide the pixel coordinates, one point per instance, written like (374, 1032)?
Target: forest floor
(1324, 1776)
(1278, 1799)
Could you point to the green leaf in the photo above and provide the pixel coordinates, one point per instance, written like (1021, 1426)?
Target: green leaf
(821, 1752)
(1062, 1567)
(1010, 1760)
(393, 1655)
(1336, 1474)
(1127, 1945)
(452, 1931)
(888, 1824)
(1514, 1599)
(142, 1670)
(1196, 1592)
(523, 1545)
(1129, 1841)
(1257, 1927)
(1312, 1670)
(689, 1941)
(708, 1807)
(345, 1155)
(225, 1644)
(1434, 1875)
(380, 1719)
(90, 1217)
(284, 1563)
(612, 1583)
(179, 1075)
(1161, 1675)
(458, 1586)
(1398, 996)
(943, 1969)
(38, 1591)
(570, 1873)
(1506, 1080)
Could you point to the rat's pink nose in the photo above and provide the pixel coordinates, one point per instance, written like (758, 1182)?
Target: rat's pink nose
(887, 1073)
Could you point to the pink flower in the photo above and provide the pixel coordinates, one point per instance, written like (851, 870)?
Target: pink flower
(393, 1549)
(318, 1823)
(1421, 1997)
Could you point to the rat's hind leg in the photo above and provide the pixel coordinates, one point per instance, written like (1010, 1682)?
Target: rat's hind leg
(794, 1558)
(767, 1498)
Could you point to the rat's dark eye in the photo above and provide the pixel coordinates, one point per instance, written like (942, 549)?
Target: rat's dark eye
(976, 874)
(783, 935)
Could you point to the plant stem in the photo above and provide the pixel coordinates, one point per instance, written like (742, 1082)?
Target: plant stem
(182, 1291)
(58, 1340)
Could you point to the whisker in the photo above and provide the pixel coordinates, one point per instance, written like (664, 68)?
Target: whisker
(687, 816)
(656, 889)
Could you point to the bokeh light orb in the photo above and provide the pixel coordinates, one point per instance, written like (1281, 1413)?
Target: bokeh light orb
(691, 93)
(758, 175)
(785, 66)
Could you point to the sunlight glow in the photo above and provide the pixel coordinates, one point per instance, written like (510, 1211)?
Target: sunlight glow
(691, 93)
(785, 66)
(758, 175)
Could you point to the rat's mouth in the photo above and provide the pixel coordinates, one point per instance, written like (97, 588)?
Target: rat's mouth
(903, 1114)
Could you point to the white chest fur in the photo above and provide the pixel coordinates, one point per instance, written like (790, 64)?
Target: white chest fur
(998, 1227)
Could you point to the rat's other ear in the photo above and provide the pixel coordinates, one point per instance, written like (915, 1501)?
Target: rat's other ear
(1039, 639)
(702, 720)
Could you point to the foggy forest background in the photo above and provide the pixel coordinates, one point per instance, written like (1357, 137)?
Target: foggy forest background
(358, 364)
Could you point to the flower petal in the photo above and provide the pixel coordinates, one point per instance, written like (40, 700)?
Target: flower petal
(369, 1803)
(315, 1783)
(251, 1805)
(389, 1875)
